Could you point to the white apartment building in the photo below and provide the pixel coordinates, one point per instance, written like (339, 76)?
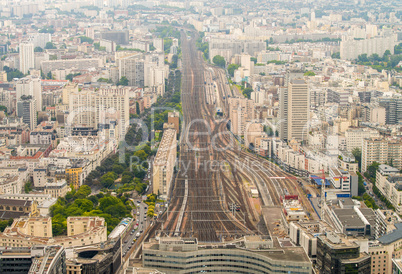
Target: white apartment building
(354, 137)
(241, 111)
(131, 66)
(89, 108)
(78, 64)
(383, 151)
(41, 39)
(389, 182)
(351, 48)
(27, 57)
(30, 86)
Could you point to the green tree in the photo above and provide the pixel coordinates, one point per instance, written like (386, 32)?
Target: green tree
(50, 45)
(361, 189)
(372, 170)
(28, 187)
(137, 108)
(84, 39)
(83, 192)
(71, 76)
(232, 68)
(49, 75)
(118, 169)
(123, 81)
(309, 73)
(38, 49)
(84, 205)
(357, 153)
(107, 201)
(142, 156)
(336, 55)
(59, 225)
(362, 58)
(247, 92)
(3, 108)
(219, 61)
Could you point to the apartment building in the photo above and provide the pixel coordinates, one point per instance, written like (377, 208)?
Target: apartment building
(228, 48)
(389, 182)
(164, 162)
(294, 110)
(241, 111)
(382, 151)
(27, 57)
(31, 231)
(30, 86)
(352, 48)
(354, 137)
(90, 108)
(26, 109)
(57, 188)
(393, 109)
(78, 64)
(131, 65)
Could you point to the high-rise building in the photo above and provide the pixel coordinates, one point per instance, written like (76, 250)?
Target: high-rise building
(132, 67)
(393, 109)
(120, 37)
(354, 137)
(381, 151)
(241, 111)
(89, 108)
(30, 86)
(26, 108)
(158, 44)
(41, 39)
(294, 112)
(27, 57)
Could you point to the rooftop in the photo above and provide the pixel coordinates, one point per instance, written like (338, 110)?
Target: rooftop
(393, 236)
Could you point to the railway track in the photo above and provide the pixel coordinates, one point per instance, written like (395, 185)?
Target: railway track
(199, 209)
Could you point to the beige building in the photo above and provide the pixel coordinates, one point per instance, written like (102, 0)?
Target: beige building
(57, 189)
(174, 118)
(89, 108)
(253, 131)
(389, 182)
(164, 162)
(241, 111)
(382, 151)
(294, 113)
(354, 137)
(67, 90)
(28, 231)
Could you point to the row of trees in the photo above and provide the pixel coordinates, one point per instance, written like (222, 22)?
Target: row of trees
(203, 46)
(387, 61)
